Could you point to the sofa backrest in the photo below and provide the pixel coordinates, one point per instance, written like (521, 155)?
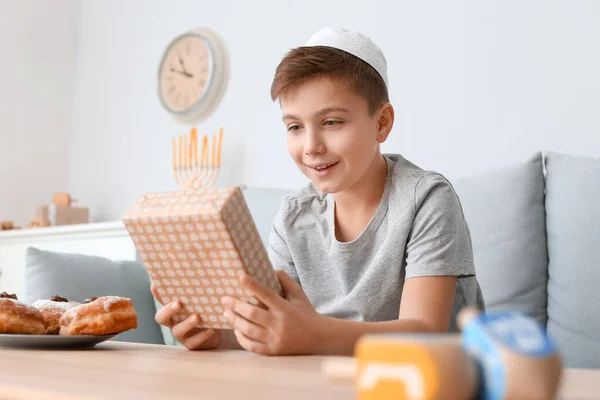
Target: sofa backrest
(573, 225)
(505, 212)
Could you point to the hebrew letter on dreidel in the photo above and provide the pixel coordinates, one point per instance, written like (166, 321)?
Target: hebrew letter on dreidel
(407, 374)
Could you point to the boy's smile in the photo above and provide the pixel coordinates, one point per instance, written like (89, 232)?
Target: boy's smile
(323, 169)
(331, 135)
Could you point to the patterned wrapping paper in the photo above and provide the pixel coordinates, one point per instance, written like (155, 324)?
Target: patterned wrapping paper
(195, 244)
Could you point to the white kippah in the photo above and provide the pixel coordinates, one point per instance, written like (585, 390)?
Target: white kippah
(354, 43)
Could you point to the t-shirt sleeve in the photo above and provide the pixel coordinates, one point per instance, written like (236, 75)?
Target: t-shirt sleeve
(439, 243)
(278, 250)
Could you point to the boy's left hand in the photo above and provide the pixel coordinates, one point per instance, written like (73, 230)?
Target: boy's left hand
(290, 325)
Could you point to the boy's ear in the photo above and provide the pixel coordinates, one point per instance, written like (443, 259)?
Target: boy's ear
(385, 121)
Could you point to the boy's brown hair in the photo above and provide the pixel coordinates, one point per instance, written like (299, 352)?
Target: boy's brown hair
(306, 63)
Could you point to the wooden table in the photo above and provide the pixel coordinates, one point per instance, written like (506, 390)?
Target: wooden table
(116, 370)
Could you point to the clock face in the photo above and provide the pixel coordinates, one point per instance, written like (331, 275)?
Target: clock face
(185, 73)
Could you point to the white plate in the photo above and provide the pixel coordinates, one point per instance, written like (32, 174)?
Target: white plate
(56, 342)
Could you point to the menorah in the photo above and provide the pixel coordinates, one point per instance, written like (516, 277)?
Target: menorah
(191, 172)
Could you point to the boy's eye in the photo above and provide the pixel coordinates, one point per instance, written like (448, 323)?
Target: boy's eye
(293, 127)
(332, 122)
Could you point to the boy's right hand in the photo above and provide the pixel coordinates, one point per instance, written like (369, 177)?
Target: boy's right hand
(185, 332)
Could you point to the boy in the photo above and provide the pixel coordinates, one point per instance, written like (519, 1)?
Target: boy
(372, 244)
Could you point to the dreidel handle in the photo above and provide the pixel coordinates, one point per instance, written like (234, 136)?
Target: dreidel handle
(63, 199)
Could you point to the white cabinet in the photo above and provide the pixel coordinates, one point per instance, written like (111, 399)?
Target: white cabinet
(107, 239)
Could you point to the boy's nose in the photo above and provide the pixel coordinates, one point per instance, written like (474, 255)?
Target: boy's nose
(314, 144)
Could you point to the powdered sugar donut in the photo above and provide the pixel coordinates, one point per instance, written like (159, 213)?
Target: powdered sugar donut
(52, 310)
(105, 315)
(19, 318)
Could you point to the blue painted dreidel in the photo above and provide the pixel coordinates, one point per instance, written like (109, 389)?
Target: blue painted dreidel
(516, 358)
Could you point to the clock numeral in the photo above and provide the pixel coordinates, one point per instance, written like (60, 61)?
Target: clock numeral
(201, 82)
(186, 100)
(170, 78)
(202, 57)
(204, 69)
(177, 97)
(171, 89)
(187, 48)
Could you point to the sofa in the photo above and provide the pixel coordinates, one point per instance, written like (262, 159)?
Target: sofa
(535, 228)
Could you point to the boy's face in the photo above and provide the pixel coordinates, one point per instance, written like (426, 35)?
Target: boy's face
(331, 136)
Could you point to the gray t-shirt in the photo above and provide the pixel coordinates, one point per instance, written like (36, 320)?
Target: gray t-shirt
(417, 230)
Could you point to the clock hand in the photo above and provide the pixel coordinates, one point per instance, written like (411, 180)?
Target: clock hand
(183, 67)
(184, 73)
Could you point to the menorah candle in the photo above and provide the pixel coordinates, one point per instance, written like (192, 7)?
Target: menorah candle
(193, 145)
(204, 151)
(219, 147)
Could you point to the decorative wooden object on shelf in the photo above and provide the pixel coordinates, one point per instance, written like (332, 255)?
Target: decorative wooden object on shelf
(60, 212)
(7, 226)
(38, 222)
(63, 199)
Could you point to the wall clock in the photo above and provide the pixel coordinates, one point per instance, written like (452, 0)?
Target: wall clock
(193, 75)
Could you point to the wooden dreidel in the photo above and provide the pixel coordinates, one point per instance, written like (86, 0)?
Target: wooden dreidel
(62, 199)
(517, 359)
(403, 366)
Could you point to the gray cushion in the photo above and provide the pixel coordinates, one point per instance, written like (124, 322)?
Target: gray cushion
(505, 212)
(78, 277)
(573, 220)
(264, 204)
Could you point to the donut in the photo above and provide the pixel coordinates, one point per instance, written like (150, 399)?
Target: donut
(106, 315)
(52, 309)
(19, 318)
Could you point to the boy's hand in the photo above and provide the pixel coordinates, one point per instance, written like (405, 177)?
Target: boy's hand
(289, 326)
(185, 332)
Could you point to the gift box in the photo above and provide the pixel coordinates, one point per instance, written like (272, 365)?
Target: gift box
(195, 244)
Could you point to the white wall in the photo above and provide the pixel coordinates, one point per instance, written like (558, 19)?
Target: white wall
(475, 84)
(37, 69)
